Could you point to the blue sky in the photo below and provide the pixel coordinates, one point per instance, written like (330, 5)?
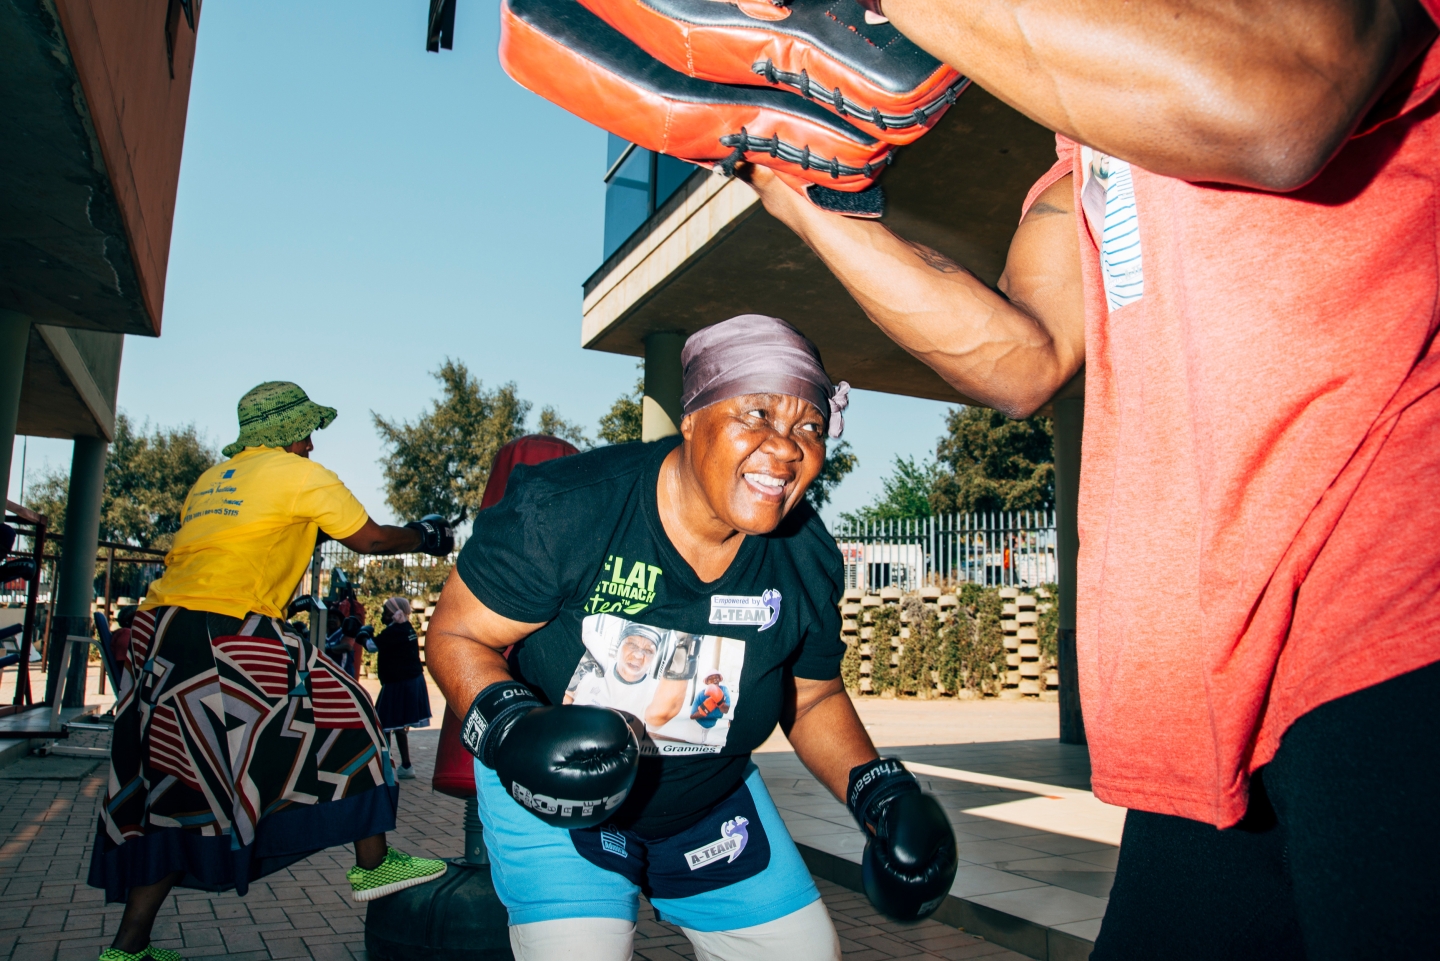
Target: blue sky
(352, 210)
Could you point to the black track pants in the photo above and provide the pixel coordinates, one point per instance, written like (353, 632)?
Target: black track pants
(1338, 857)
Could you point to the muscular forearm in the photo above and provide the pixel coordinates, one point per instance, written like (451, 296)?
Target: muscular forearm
(1254, 92)
(1008, 352)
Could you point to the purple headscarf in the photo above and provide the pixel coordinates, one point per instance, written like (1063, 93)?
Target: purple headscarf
(755, 354)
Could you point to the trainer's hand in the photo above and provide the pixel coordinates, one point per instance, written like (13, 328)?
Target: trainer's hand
(570, 766)
(909, 861)
(782, 195)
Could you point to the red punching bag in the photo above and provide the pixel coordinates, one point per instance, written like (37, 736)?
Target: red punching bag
(454, 766)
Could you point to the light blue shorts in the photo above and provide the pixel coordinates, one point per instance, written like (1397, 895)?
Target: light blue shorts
(541, 875)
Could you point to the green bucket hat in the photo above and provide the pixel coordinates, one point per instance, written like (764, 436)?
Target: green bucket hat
(277, 414)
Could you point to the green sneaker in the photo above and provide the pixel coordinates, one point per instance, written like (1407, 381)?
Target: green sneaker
(396, 873)
(115, 954)
(152, 952)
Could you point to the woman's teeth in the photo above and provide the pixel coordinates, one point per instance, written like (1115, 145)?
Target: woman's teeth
(765, 480)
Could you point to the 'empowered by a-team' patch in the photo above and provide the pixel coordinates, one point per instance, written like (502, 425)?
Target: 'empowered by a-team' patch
(746, 610)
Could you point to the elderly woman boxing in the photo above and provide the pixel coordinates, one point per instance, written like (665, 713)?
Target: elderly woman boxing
(622, 581)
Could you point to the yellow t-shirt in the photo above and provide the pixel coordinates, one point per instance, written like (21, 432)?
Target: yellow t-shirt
(248, 533)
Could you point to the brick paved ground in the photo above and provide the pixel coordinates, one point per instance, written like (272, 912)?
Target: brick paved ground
(48, 913)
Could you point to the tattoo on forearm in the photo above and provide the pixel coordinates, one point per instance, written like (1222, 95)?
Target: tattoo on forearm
(937, 260)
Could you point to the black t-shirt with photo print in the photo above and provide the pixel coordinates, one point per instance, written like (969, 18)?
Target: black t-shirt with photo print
(577, 542)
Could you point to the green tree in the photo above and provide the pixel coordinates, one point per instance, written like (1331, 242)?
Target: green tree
(988, 462)
(621, 423)
(148, 473)
(440, 463)
(840, 460)
(553, 424)
(905, 494)
(48, 496)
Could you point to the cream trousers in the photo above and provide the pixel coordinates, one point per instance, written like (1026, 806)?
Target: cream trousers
(803, 935)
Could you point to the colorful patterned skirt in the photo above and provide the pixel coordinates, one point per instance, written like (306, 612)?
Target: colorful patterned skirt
(238, 750)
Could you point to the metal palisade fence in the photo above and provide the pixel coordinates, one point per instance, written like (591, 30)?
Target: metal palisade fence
(990, 548)
(407, 570)
(994, 549)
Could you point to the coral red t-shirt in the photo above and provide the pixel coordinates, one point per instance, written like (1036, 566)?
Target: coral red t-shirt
(1260, 495)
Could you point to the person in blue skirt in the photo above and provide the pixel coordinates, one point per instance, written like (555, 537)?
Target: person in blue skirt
(404, 701)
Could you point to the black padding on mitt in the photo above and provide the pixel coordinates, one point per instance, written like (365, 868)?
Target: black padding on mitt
(876, 51)
(865, 204)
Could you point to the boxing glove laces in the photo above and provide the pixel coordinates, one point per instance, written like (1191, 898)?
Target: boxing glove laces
(909, 862)
(571, 766)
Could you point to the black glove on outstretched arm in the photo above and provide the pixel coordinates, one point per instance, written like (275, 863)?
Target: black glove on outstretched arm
(436, 537)
(909, 861)
(570, 766)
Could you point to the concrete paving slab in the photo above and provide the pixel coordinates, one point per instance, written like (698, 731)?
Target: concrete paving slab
(971, 779)
(1046, 906)
(48, 913)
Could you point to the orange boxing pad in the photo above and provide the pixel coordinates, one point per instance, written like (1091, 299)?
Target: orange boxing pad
(821, 49)
(569, 56)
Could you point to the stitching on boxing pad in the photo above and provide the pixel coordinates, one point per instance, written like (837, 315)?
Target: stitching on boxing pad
(592, 39)
(846, 107)
(801, 156)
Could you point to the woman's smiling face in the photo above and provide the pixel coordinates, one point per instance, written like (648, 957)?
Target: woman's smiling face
(754, 456)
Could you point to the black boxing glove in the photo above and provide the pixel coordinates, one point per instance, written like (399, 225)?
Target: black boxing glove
(491, 716)
(436, 538)
(570, 766)
(910, 860)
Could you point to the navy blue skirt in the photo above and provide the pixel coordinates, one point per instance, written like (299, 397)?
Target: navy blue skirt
(403, 704)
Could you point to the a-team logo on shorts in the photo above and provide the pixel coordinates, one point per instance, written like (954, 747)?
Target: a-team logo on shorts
(733, 838)
(747, 611)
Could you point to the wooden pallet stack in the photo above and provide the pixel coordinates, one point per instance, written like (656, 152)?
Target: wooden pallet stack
(1010, 625)
(856, 626)
(422, 608)
(1028, 674)
(1027, 620)
(1050, 673)
(851, 631)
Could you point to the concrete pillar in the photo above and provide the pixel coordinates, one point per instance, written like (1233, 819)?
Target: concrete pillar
(76, 590)
(14, 338)
(660, 407)
(1069, 426)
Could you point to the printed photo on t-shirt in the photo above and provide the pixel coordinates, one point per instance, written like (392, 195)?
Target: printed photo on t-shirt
(685, 687)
